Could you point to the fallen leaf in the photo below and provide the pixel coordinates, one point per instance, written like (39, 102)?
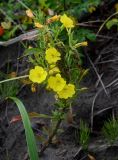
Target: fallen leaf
(31, 115)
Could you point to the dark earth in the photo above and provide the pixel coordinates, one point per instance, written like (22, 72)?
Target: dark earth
(94, 106)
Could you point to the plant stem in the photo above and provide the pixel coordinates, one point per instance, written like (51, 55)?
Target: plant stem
(15, 78)
(46, 144)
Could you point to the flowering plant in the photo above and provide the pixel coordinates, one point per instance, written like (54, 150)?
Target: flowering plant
(57, 62)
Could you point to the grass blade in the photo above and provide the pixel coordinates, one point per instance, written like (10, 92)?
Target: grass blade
(31, 143)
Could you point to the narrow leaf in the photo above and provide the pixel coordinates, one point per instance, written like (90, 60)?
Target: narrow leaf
(31, 143)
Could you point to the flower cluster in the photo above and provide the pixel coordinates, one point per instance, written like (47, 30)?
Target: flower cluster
(58, 84)
(51, 73)
(54, 80)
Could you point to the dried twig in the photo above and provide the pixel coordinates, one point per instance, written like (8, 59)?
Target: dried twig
(92, 109)
(106, 37)
(108, 61)
(94, 99)
(26, 36)
(99, 77)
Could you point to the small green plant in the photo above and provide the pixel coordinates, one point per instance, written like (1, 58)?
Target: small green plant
(82, 135)
(110, 130)
(8, 89)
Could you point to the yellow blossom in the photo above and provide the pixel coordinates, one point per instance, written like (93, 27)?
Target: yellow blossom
(66, 21)
(29, 13)
(52, 55)
(67, 92)
(38, 25)
(91, 9)
(85, 43)
(56, 83)
(37, 75)
(52, 19)
(54, 70)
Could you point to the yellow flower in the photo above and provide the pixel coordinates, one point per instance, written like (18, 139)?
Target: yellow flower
(91, 9)
(81, 44)
(54, 70)
(67, 91)
(52, 19)
(66, 21)
(37, 75)
(29, 13)
(52, 55)
(38, 25)
(84, 43)
(56, 83)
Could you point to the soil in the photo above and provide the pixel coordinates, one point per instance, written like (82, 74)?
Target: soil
(94, 106)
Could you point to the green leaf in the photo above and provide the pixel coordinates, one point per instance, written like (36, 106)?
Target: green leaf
(91, 37)
(85, 34)
(111, 23)
(31, 143)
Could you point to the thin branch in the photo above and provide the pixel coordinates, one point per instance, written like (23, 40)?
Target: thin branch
(96, 21)
(102, 62)
(26, 36)
(92, 109)
(46, 144)
(94, 99)
(86, 25)
(13, 79)
(106, 22)
(106, 37)
(97, 74)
